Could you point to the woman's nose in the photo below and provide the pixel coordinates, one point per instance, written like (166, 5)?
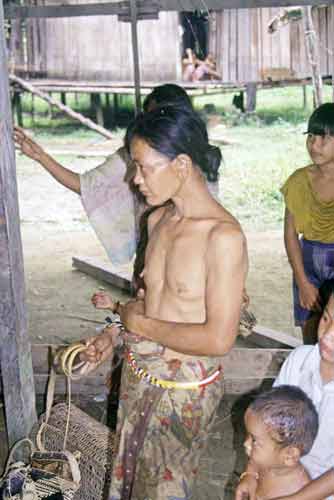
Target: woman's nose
(248, 445)
(138, 178)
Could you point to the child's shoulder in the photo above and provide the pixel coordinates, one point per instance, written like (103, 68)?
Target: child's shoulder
(299, 174)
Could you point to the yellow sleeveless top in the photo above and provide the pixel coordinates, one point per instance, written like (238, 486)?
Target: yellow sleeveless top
(314, 219)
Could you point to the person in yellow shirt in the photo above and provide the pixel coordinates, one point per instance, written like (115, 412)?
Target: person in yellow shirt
(309, 222)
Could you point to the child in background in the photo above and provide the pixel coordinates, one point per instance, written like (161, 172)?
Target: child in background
(309, 222)
(281, 425)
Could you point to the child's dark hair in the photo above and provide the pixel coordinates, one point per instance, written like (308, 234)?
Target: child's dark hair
(321, 121)
(289, 415)
(172, 131)
(169, 93)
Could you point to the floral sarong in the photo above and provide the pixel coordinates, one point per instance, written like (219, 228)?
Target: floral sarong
(162, 433)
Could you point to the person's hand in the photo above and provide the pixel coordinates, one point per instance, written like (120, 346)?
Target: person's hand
(131, 312)
(101, 300)
(246, 489)
(309, 296)
(26, 145)
(99, 349)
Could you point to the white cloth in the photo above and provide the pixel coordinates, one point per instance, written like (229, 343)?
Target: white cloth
(111, 207)
(302, 369)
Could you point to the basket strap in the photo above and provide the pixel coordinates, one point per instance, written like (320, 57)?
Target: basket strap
(74, 467)
(17, 446)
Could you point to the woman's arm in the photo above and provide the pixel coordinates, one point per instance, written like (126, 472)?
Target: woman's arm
(308, 294)
(30, 148)
(318, 489)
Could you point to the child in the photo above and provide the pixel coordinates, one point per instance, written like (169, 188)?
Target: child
(281, 427)
(309, 200)
(310, 368)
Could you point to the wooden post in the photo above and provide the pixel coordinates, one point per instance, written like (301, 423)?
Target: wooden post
(304, 97)
(135, 53)
(312, 52)
(15, 349)
(97, 108)
(17, 107)
(251, 96)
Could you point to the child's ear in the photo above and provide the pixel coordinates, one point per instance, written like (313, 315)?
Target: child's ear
(290, 455)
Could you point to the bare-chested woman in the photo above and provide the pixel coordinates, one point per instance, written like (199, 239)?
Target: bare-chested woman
(195, 270)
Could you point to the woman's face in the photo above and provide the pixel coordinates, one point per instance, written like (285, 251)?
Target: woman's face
(320, 148)
(156, 175)
(326, 332)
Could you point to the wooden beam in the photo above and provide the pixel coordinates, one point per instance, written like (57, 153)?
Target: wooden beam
(103, 272)
(135, 52)
(66, 109)
(15, 351)
(145, 8)
(266, 337)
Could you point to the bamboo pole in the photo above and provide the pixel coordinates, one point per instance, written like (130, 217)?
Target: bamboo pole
(135, 52)
(312, 52)
(66, 109)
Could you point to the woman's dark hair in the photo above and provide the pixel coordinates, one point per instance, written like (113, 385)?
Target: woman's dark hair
(169, 93)
(321, 121)
(172, 131)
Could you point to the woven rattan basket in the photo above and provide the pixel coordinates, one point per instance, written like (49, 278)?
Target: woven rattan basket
(93, 440)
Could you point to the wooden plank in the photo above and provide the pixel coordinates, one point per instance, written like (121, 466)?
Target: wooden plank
(13, 11)
(102, 272)
(15, 351)
(135, 52)
(266, 337)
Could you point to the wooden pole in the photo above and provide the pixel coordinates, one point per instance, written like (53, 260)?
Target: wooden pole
(135, 53)
(312, 52)
(73, 114)
(15, 349)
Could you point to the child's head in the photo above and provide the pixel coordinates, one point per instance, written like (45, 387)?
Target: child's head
(326, 331)
(320, 135)
(281, 425)
(321, 121)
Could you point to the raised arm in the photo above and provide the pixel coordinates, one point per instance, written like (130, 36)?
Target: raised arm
(30, 148)
(308, 293)
(227, 266)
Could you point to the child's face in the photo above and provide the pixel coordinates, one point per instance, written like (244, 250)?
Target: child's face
(320, 148)
(326, 332)
(261, 449)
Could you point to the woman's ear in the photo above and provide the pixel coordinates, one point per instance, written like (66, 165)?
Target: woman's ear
(291, 455)
(182, 165)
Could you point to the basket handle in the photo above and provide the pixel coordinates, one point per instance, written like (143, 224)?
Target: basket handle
(16, 446)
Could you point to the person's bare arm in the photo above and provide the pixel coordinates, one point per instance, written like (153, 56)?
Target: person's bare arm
(248, 483)
(318, 489)
(30, 148)
(227, 268)
(308, 293)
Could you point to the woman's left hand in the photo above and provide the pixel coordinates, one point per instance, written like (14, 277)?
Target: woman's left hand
(131, 313)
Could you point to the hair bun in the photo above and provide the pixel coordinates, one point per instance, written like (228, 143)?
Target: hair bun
(213, 160)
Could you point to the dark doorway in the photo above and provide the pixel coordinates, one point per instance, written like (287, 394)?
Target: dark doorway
(195, 32)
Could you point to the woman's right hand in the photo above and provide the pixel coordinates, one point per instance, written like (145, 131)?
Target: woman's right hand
(99, 349)
(309, 296)
(26, 145)
(246, 489)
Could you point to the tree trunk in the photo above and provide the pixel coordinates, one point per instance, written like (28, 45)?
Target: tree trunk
(312, 51)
